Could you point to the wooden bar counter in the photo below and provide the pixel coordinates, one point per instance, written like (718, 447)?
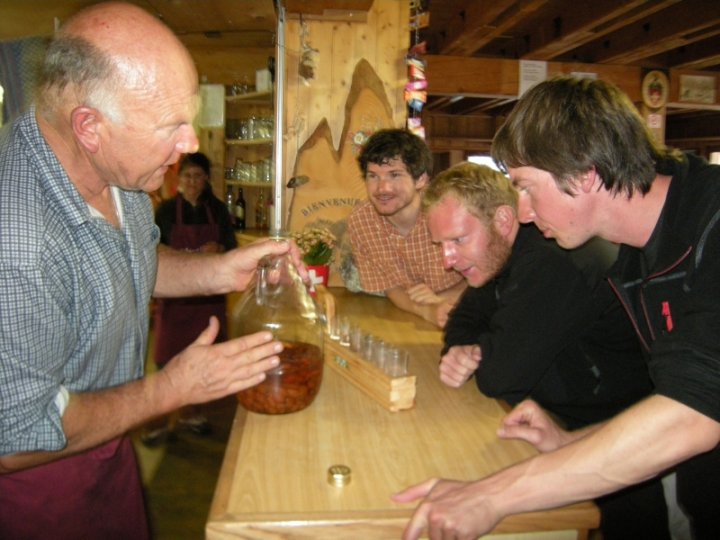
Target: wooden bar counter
(274, 479)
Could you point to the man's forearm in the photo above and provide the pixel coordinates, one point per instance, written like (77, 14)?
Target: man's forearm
(636, 445)
(402, 300)
(182, 273)
(196, 274)
(578, 434)
(93, 418)
(453, 293)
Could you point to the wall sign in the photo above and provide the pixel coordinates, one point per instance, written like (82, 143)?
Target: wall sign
(655, 89)
(531, 73)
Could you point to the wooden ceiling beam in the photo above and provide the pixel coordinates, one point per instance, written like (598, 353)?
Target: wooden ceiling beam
(475, 77)
(489, 105)
(226, 40)
(682, 24)
(187, 16)
(500, 78)
(484, 21)
(701, 63)
(335, 10)
(569, 29)
(698, 56)
(441, 102)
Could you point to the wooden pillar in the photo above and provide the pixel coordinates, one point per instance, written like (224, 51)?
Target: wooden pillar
(655, 89)
(456, 156)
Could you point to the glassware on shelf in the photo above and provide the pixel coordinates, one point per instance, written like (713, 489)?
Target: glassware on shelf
(242, 86)
(257, 170)
(267, 170)
(240, 173)
(264, 128)
(251, 124)
(244, 132)
(261, 217)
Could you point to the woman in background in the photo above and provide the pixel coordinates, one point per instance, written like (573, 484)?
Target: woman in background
(193, 220)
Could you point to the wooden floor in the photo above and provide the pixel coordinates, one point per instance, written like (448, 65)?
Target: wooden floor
(180, 476)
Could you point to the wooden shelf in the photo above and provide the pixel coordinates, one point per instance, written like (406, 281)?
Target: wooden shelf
(249, 151)
(259, 98)
(242, 183)
(248, 142)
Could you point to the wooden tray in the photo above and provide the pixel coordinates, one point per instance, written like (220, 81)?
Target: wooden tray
(393, 393)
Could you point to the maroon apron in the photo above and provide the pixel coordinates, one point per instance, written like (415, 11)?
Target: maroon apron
(95, 494)
(178, 321)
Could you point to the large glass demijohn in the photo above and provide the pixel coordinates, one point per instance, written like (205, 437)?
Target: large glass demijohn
(280, 302)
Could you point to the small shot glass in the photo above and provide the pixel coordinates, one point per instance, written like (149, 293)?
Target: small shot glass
(385, 355)
(368, 345)
(396, 363)
(333, 324)
(343, 324)
(356, 338)
(377, 355)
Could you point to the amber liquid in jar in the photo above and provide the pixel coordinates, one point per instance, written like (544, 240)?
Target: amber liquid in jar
(291, 386)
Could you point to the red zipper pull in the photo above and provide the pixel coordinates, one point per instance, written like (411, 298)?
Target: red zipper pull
(668, 316)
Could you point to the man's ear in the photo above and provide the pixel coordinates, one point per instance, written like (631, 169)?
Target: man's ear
(85, 122)
(587, 180)
(421, 182)
(504, 219)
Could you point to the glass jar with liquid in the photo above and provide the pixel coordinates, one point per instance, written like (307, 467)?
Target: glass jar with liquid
(279, 302)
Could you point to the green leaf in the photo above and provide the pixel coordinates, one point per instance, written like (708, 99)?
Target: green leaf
(320, 254)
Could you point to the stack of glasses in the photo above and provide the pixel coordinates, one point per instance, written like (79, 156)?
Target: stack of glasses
(392, 360)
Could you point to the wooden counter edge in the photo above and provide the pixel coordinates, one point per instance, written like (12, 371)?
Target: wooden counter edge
(580, 517)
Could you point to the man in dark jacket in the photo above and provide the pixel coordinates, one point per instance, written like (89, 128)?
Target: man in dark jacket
(537, 321)
(585, 165)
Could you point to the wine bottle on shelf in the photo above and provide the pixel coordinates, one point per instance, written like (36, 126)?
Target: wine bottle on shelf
(240, 211)
(230, 203)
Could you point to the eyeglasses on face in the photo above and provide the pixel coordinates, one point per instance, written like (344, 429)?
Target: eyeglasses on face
(193, 176)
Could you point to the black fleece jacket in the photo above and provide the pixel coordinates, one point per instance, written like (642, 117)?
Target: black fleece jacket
(671, 288)
(550, 327)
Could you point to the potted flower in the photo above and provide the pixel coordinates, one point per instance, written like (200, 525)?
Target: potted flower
(316, 245)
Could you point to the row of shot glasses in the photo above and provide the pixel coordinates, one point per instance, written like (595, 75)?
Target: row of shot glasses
(391, 359)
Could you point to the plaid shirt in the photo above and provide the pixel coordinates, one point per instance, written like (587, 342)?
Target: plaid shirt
(74, 291)
(385, 259)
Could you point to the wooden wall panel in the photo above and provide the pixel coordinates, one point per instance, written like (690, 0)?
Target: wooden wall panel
(357, 89)
(383, 41)
(226, 66)
(492, 77)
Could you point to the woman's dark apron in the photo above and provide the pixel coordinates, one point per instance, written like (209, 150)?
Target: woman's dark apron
(179, 321)
(95, 494)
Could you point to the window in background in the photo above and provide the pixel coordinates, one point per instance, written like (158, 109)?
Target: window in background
(483, 160)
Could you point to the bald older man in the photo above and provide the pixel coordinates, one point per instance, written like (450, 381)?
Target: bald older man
(78, 264)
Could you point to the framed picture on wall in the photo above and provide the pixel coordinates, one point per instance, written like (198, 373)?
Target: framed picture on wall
(697, 88)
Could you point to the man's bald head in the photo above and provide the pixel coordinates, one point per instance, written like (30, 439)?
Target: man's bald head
(107, 49)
